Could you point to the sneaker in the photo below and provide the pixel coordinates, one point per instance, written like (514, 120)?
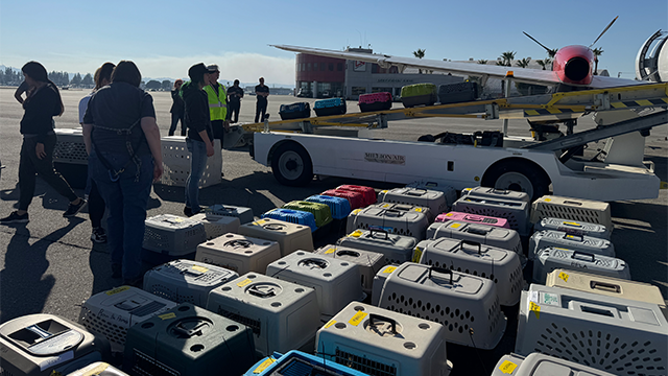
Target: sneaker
(73, 209)
(98, 235)
(15, 217)
(188, 212)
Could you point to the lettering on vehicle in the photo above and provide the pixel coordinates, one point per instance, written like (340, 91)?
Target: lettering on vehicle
(385, 158)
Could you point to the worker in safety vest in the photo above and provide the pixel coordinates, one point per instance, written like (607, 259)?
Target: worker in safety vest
(217, 105)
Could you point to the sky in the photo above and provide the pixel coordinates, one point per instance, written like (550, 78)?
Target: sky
(164, 38)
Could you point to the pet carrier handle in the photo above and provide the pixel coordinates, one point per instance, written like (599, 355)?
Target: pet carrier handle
(273, 227)
(39, 331)
(576, 253)
(573, 202)
(610, 287)
(322, 264)
(348, 253)
(570, 234)
(189, 332)
(239, 243)
(470, 242)
(261, 293)
(413, 193)
(501, 191)
(393, 213)
(431, 184)
(372, 231)
(374, 316)
(476, 218)
(478, 230)
(441, 270)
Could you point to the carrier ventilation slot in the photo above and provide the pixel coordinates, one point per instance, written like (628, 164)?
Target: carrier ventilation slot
(365, 365)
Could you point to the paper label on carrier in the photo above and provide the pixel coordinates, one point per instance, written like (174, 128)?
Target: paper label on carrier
(244, 282)
(357, 319)
(389, 269)
(269, 361)
(167, 316)
(507, 367)
(117, 290)
(417, 255)
(455, 225)
(54, 361)
(385, 206)
(449, 214)
(330, 251)
(564, 276)
(330, 323)
(200, 269)
(356, 234)
(419, 210)
(550, 299)
(259, 222)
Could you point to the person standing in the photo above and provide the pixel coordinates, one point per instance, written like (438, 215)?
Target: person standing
(125, 156)
(23, 88)
(95, 200)
(235, 93)
(217, 97)
(261, 93)
(200, 133)
(178, 108)
(39, 141)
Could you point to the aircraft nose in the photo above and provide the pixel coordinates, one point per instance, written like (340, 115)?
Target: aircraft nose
(577, 69)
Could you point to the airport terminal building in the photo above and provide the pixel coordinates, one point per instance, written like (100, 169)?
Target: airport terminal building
(319, 76)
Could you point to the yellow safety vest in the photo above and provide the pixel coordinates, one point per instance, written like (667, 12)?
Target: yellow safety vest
(217, 103)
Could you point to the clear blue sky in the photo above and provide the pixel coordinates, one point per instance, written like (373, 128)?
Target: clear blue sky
(166, 37)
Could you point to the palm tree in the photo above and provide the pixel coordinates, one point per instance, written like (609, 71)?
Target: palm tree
(419, 54)
(501, 63)
(597, 52)
(482, 61)
(544, 63)
(524, 63)
(508, 57)
(552, 52)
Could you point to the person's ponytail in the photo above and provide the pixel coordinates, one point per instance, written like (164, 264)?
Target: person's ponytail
(62, 105)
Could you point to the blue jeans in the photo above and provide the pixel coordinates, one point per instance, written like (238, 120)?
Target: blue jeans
(126, 200)
(197, 167)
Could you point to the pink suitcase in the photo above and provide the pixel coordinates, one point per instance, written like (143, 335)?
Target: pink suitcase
(472, 218)
(375, 102)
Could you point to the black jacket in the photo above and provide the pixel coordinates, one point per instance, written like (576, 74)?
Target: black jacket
(197, 113)
(40, 108)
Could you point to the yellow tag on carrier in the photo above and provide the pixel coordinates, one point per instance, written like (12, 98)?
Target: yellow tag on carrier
(455, 225)
(389, 269)
(269, 361)
(449, 214)
(167, 316)
(507, 367)
(330, 323)
(564, 276)
(117, 290)
(244, 282)
(356, 234)
(357, 319)
(200, 269)
(330, 251)
(417, 255)
(535, 308)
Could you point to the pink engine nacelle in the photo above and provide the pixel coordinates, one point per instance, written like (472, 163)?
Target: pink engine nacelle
(473, 218)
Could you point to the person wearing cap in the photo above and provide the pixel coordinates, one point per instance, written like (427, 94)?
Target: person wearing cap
(200, 133)
(261, 93)
(217, 96)
(235, 93)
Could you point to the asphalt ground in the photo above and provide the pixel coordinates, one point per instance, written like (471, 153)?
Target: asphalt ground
(50, 265)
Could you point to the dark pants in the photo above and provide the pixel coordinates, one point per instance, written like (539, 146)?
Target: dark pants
(260, 106)
(175, 119)
(234, 107)
(95, 205)
(31, 165)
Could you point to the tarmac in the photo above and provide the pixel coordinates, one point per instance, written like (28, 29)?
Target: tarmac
(50, 265)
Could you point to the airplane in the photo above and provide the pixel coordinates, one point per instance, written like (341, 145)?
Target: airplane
(572, 67)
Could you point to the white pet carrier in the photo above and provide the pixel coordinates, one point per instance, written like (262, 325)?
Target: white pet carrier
(214, 212)
(186, 281)
(574, 209)
(449, 192)
(290, 236)
(240, 253)
(616, 335)
(111, 313)
(380, 342)
(537, 364)
(494, 193)
(467, 306)
(283, 315)
(551, 238)
(434, 200)
(495, 236)
(379, 282)
(173, 235)
(408, 208)
(395, 248)
(99, 369)
(552, 258)
(515, 212)
(369, 262)
(594, 230)
(496, 264)
(407, 223)
(217, 227)
(336, 282)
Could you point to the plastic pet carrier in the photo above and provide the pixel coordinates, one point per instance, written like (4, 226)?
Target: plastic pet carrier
(472, 218)
(434, 200)
(240, 253)
(329, 107)
(516, 212)
(293, 216)
(607, 286)
(173, 235)
(496, 264)
(582, 243)
(369, 262)
(379, 282)
(289, 236)
(186, 281)
(407, 208)
(355, 199)
(36, 345)
(597, 212)
(552, 258)
(449, 192)
(336, 282)
(395, 248)
(368, 193)
(282, 315)
(111, 313)
(297, 363)
(495, 236)
(572, 227)
(245, 215)
(376, 217)
(375, 102)
(339, 207)
(98, 369)
(380, 342)
(495, 193)
(217, 227)
(460, 92)
(299, 110)
(467, 306)
(321, 212)
(619, 336)
(188, 341)
(537, 364)
(418, 94)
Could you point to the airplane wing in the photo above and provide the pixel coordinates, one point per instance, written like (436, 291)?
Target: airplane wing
(529, 76)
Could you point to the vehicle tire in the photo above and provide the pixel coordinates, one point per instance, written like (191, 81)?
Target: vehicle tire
(518, 176)
(292, 165)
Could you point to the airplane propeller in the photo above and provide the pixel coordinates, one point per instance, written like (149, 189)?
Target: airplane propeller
(550, 51)
(603, 32)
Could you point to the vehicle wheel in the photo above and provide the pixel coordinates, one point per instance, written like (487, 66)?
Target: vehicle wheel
(291, 165)
(518, 176)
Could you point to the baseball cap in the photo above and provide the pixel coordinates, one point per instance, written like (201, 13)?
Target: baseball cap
(197, 71)
(213, 68)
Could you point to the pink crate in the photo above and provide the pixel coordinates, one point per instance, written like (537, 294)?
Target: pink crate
(375, 97)
(473, 218)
